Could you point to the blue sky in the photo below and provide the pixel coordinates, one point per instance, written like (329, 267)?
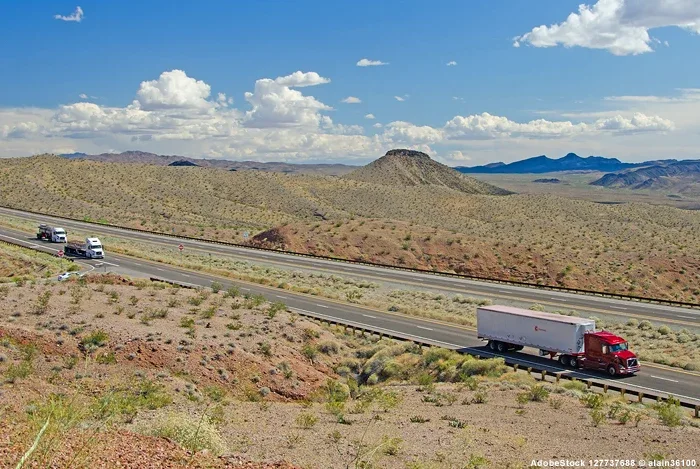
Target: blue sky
(564, 88)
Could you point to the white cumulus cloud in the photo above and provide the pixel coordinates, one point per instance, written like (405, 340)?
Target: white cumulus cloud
(83, 96)
(369, 116)
(370, 63)
(174, 90)
(301, 79)
(76, 16)
(351, 100)
(275, 104)
(400, 98)
(618, 26)
(451, 63)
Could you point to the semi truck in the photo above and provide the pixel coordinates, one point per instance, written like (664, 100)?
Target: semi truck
(52, 233)
(571, 340)
(91, 248)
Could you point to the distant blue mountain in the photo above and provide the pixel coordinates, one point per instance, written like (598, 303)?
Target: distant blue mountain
(544, 164)
(73, 155)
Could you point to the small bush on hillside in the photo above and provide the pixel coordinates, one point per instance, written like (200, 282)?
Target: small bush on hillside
(193, 434)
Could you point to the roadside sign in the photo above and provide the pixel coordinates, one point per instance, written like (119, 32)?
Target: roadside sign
(59, 253)
(181, 247)
(245, 235)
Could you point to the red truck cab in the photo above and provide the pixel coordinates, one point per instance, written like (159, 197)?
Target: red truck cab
(605, 351)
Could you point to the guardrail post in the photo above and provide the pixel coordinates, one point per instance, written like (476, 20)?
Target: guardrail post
(697, 411)
(544, 373)
(515, 367)
(529, 370)
(478, 357)
(622, 392)
(640, 396)
(589, 384)
(558, 375)
(605, 388)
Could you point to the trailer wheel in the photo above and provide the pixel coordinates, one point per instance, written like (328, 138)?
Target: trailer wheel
(611, 370)
(492, 344)
(573, 362)
(564, 360)
(502, 347)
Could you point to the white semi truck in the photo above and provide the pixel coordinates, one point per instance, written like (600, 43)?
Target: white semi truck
(572, 340)
(52, 233)
(91, 248)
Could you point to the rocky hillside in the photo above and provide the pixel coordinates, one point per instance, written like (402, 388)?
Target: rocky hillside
(175, 160)
(414, 168)
(659, 176)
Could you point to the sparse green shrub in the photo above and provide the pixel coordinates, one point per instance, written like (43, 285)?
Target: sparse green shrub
(645, 325)
(191, 433)
(42, 302)
(670, 412)
(597, 416)
(306, 420)
(232, 292)
(275, 308)
(593, 400)
(216, 287)
(418, 419)
(186, 322)
(309, 351)
(95, 339)
(391, 446)
(328, 347)
(266, 349)
(481, 396)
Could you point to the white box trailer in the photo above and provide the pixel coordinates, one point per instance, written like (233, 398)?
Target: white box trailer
(507, 328)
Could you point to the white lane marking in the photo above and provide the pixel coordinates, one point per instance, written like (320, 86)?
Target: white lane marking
(158, 268)
(322, 306)
(558, 299)
(503, 291)
(185, 275)
(665, 379)
(426, 328)
(246, 289)
(686, 317)
(369, 316)
(619, 307)
(109, 263)
(136, 263)
(280, 296)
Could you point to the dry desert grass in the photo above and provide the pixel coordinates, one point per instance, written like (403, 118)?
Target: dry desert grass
(635, 249)
(228, 378)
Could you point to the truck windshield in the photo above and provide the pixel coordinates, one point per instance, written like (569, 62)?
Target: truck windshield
(95, 246)
(618, 347)
(60, 231)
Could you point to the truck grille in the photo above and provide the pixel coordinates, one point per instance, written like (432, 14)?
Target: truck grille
(632, 362)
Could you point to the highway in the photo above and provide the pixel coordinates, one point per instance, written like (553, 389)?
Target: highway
(653, 378)
(586, 305)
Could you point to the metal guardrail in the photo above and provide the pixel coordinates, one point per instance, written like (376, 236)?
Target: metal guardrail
(535, 286)
(537, 373)
(12, 243)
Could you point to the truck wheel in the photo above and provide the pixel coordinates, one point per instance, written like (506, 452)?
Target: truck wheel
(564, 360)
(573, 362)
(611, 370)
(492, 344)
(501, 347)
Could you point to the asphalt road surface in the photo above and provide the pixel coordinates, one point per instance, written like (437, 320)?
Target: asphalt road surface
(585, 305)
(652, 378)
